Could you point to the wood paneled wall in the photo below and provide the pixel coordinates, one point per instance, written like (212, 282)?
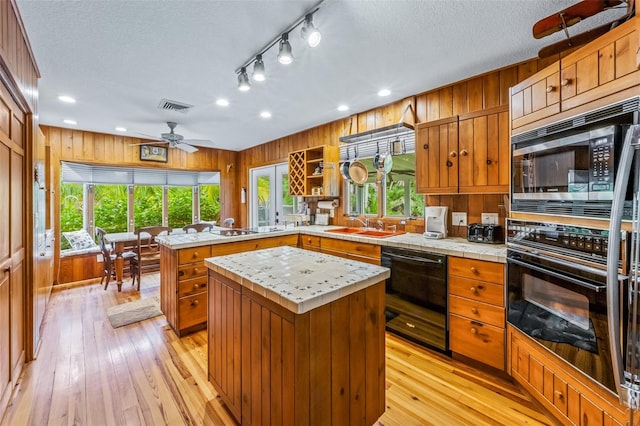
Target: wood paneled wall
(476, 93)
(99, 148)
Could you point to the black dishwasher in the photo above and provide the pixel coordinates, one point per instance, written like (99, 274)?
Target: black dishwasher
(416, 299)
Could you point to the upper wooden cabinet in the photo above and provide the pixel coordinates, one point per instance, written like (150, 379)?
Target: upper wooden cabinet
(464, 154)
(601, 68)
(314, 171)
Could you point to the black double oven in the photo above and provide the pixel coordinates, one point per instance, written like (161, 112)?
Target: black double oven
(572, 288)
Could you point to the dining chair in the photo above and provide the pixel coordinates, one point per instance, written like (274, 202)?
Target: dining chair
(147, 251)
(197, 227)
(108, 258)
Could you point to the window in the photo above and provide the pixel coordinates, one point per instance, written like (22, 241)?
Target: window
(121, 199)
(398, 197)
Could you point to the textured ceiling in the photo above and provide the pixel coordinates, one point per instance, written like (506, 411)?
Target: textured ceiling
(120, 58)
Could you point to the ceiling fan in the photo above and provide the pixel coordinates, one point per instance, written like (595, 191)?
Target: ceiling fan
(176, 140)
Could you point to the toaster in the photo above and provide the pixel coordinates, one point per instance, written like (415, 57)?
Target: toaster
(479, 233)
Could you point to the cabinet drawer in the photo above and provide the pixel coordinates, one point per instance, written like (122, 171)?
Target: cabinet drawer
(351, 247)
(477, 269)
(482, 342)
(195, 254)
(193, 310)
(309, 242)
(477, 290)
(192, 286)
(186, 272)
(478, 311)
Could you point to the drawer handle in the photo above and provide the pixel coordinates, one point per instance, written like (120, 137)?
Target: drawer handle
(195, 271)
(453, 154)
(559, 395)
(474, 270)
(475, 289)
(195, 303)
(474, 311)
(410, 325)
(464, 152)
(474, 330)
(565, 82)
(195, 254)
(550, 88)
(180, 273)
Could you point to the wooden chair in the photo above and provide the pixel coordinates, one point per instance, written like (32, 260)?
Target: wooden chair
(197, 227)
(147, 251)
(108, 258)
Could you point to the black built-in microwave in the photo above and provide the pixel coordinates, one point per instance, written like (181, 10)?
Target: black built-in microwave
(569, 168)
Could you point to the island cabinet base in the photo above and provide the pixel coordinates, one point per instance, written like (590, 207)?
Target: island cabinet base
(272, 366)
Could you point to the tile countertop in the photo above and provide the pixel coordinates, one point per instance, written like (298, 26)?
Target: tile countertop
(450, 246)
(298, 280)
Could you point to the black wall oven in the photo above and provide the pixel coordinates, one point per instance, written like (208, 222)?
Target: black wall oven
(557, 292)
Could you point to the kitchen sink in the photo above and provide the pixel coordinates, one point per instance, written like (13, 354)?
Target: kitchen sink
(365, 232)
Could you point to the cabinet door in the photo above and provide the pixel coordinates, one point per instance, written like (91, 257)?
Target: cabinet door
(483, 146)
(536, 97)
(437, 156)
(601, 68)
(5, 353)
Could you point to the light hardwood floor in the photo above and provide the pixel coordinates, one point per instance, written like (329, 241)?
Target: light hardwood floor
(88, 373)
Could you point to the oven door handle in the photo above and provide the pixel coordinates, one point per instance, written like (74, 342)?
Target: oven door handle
(413, 258)
(593, 287)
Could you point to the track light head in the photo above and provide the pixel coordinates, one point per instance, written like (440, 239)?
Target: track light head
(258, 69)
(243, 80)
(309, 32)
(285, 56)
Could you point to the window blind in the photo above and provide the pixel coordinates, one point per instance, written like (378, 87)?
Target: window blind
(84, 173)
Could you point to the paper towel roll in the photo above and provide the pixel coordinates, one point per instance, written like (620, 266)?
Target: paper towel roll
(327, 205)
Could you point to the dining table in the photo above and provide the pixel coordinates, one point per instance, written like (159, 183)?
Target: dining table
(119, 241)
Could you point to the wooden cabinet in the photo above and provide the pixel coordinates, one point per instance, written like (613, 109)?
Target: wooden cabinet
(254, 244)
(477, 310)
(464, 154)
(271, 366)
(558, 387)
(309, 242)
(604, 67)
(364, 252)
(314, 171)
(183, 288)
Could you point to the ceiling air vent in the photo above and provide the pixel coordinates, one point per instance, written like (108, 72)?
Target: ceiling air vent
(169, 105)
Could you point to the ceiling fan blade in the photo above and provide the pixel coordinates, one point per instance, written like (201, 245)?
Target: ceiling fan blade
(186, 147)
(206, 143)
(155, 138)
(156, 142)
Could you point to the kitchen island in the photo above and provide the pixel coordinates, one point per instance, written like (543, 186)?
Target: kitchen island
(296, 336)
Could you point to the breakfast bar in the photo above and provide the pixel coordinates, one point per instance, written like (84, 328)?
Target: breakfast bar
(297, 337)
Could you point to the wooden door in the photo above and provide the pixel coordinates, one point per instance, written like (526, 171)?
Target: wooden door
(483, 151)
(5, 265)
(437, 156)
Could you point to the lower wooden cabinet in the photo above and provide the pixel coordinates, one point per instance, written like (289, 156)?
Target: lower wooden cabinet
(354, 250)
(569, 395)
(477, 310)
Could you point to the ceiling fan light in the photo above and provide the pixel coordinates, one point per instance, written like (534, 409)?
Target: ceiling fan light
(285, 56)
(258, 69)
(243, 80)
(309, 32)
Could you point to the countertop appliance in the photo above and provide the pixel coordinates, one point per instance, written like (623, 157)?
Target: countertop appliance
(416, 296)
(435, 222)
(481, 233)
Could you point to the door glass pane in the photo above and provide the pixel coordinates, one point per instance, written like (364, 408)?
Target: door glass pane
(264, 197)
(147, 205)
(400, 185)
(180, 206)
(210, 203)
(289, 202)
(110, 207)
(71, 213)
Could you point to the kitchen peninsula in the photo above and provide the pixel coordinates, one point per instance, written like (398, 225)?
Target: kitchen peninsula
(297, 336)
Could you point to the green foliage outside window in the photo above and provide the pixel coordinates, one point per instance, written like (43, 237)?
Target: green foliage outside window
(147, 205)
(72, 201)
(110, 207)
(180, 206)
(210, 203)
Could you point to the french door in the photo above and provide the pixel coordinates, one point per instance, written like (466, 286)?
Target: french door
(269, 198)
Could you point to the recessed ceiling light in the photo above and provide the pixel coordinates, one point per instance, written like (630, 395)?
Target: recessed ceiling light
(73, 122)
(265, 114)
(343, 108)
(67, 99)
(222, 102)
(121, 129)
(384, 92)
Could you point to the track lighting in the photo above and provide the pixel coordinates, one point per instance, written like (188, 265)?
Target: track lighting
(285, 56)
(258, 69)
(309, 32)
(243, 80)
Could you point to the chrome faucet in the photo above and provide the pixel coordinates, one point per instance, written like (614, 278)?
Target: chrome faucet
(380, 225)
(364, 223)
